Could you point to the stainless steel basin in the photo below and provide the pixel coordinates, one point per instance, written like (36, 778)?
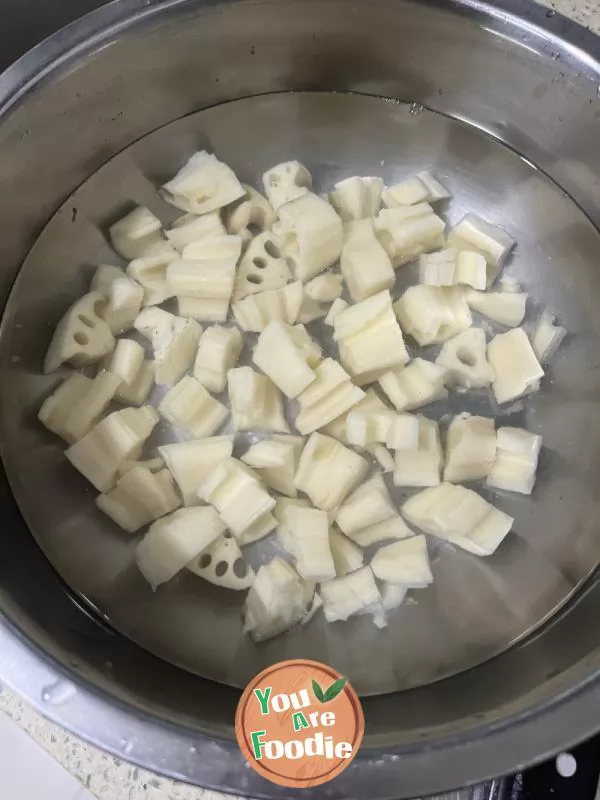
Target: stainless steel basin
(496, 665)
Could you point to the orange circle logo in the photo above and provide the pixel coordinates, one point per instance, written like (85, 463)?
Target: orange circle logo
(299, 723)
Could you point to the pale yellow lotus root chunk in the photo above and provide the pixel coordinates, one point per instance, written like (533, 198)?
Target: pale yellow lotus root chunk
(136, 234)
(311, 234)
(475, 234)
(417, 385)
(188, 406)
(547, 337)
(112, 441)
(288, 356)
(357, 198)
(515, 466)
(307, 534)
(369, 338)
(470, 448)
(517, 370)
(365, 265)
(191, 228)
(329, 396)
(150, 272)
(420, 188)
(285, 182)
(406, 232)
(459, 515)
(276, 460)
(347, 556)
(140, 497)
(203, 184)
(254, 312)
(368, 515)
(256, 403)
(432, 314)
(124, 297)
(355, 593)
(464, 357)
(192, 462)
(252, 211)
(405, 563)
(278, 599)
(223, 564)
(174, 341)
(421, 467)
(239, 497)
(218, 351)
(175, 540)
(82, 336)
(370, 402)
(328, 471)
(508, 308)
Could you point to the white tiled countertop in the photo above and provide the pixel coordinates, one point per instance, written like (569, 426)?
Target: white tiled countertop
(29, 770)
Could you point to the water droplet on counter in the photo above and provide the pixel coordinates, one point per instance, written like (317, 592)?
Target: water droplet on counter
(550, 13)
(416, 108)
(58, 693)
(193, 749)
(126, 745)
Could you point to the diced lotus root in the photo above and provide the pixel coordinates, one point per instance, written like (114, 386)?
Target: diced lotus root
(222, 563)
(82, 336)
(262, 267)
(251, 210)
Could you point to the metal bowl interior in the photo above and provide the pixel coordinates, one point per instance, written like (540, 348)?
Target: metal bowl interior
(513, 134)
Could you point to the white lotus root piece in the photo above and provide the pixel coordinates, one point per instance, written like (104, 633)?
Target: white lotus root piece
(517, 370)
(88, 407)
(317, 294)
(252, 210)
(355, 593)
(433, 314)
(397, 431)
(174, 341)
(406, 232)
(347, 556)
(115, 439)
(137, 392)
(256, 402)
(470, 448)
(175, 540)
(508, 308)
(262, 267)
(459, 515)
(188, 406)
(451, 266)
(218, 351)
(357, 198)
(125, 361)
(311, 234)
(392, 595)
(515, 467)
(222, 564)
(370, 402)
(276, 460)
(365, 265)
(278, 599)
(238, 496)
(136, 234)
(369, 338)
(547, 337)
(285, 182)
(192, 462)
(464, 357)
(475, 234)
(420, 188)
(206, 271)
(152, 464)
(288, 356)
(82, 336)
(422, 467)
(151, 273)
(124, 297)
(368, 516)
(254, 312)
(383, 457)
(307, 537)
(203, 184)
(417, 385)
(56, 409)
(334, 309)
(405, 563)
(330, 395)
(190, 228)
(328, 471)
(140, 497)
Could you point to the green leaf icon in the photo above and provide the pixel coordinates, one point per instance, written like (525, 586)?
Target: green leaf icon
(318, 692)
(335, 688)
